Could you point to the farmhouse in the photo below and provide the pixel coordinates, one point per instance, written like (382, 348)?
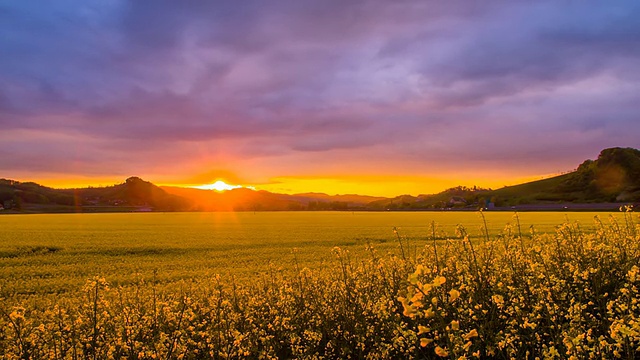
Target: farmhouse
(457, 200)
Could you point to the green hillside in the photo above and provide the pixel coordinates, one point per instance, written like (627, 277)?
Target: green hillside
(133, 194)
(15, 194)
(614, 177)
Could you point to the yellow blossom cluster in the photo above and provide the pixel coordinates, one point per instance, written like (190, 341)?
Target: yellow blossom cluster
(571, 294)
(565, 295)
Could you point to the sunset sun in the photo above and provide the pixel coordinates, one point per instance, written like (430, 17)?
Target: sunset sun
(218, 186)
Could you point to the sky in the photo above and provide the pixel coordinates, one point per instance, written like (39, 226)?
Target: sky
(370, 97)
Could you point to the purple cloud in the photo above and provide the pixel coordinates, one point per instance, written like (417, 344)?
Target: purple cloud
(384, 86)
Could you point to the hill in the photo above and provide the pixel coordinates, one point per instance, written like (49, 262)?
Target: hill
(243, 199)
(614, 177)
(14, 194)
(611, 179)
(134, 194)
(233, 200)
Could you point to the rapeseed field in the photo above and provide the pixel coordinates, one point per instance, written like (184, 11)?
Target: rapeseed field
(344, 286)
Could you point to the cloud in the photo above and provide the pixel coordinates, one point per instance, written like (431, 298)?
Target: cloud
(539, 46)
(390, 86)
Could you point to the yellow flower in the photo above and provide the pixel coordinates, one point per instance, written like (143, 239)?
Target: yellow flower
(453, 295)
(422, 329)
(413, 279)
(417, 297)
(441, 352)
(424, 342)
(455, 325)
(498, 299)
(473, 333)
(424, 287)
(429, 313)
(439, 280)
(409, 310)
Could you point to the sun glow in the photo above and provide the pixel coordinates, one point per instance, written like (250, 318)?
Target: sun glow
(218, 186)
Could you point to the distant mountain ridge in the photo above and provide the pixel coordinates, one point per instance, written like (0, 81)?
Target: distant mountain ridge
(243, 199)
(614, 177)
(136, 194)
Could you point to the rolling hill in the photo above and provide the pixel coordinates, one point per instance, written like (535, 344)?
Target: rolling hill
(133, 194)
(613, 178)
(243, 199)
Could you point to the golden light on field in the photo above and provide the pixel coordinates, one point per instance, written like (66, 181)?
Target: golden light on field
(218, 186)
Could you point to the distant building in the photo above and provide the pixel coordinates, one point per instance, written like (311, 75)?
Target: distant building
(457, 200)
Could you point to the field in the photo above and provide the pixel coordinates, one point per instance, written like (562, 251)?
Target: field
(58, 253)
(319, 285)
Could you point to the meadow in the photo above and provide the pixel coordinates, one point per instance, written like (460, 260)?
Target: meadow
(319, 285)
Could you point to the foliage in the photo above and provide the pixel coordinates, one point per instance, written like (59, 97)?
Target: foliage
(613, 177)
(134, 192)
(568, 294)
(32, 192)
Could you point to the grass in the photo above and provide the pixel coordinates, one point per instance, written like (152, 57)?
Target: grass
(145, 286)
